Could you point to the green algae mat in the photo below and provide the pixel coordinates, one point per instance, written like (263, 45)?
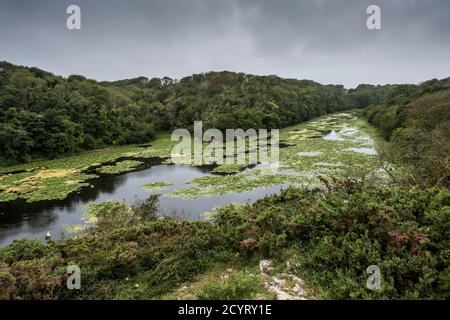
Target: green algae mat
(329, 145)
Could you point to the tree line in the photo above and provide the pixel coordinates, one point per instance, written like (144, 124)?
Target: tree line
(44, 115)
(416, 122)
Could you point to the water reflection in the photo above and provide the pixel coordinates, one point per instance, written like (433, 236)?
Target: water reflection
(333, 135)
(19, 219)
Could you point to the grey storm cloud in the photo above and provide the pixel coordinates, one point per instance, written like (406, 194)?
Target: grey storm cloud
(323, 40)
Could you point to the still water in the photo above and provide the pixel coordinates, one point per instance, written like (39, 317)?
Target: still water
(20, 220)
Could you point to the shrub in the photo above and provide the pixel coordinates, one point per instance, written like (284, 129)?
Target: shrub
(237, 286)
(339, 233)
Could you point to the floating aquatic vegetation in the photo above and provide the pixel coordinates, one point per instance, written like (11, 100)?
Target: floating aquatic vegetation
(120, 167)
(300, 163)
(327, 164)
(245, 181)
(229, 168)
(92, 210)
(334, 136)
(367, 151)
(42, 185)
(74, 228)
(56, 179)
(153, 186)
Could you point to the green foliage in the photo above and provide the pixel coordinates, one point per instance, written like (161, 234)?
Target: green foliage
(23, 250)
(334, 235)
(416, 120)
(152, 186)
(44, 115)
(365, 95)
(120, 167)
(338, 234)
(130, 253)
(125, 243)
(239, 285)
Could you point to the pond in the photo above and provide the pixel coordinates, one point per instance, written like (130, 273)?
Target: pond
(19, 219)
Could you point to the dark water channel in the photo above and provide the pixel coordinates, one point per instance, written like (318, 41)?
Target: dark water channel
(19, 219)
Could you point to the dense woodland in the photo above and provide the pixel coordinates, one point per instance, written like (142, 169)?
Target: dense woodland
(44, 115)
(416, 121)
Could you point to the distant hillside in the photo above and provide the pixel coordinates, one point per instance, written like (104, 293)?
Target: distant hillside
(48, 115)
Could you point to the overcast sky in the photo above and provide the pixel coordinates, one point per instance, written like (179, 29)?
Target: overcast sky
(322, 40)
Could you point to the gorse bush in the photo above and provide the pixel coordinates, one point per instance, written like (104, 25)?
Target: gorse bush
(339, 234)
(237, 286)
(160, 254)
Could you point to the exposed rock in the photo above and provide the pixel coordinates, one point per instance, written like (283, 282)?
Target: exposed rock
(286, 286)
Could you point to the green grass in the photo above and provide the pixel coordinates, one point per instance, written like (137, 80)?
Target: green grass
(239, 285)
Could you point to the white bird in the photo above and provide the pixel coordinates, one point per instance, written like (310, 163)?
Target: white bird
(48, 235)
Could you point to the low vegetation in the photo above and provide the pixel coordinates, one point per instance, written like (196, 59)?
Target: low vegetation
(56, 179)
(334, 236)
(309, 154)
(153, 186)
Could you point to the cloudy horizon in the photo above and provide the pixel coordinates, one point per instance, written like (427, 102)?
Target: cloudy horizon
(319, 40)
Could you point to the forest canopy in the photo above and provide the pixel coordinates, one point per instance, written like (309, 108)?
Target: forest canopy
(44, 115)
(416, 121)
